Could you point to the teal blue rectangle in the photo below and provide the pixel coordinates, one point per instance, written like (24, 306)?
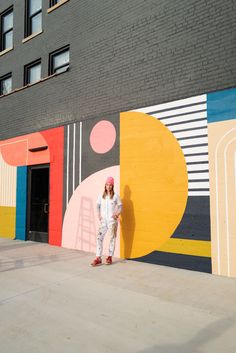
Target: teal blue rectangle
(221, 105)
(21, 200)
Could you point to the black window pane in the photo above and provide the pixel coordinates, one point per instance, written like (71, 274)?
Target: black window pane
(8, 40)
(36, 23)
(7, 22)
(54, 2)
(34, 6)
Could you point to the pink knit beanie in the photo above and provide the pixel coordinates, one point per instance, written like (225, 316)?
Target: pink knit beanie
(110, 180)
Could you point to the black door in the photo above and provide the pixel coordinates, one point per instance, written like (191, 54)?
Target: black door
(38, 203)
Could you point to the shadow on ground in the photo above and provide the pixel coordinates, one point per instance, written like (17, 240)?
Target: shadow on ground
(196, 344)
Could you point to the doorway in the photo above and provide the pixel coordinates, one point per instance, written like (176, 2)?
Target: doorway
(38, 203)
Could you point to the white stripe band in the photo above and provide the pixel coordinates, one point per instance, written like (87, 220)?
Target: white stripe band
(199, 193)
(194, 167)
(198, 185)
(178, 103)
(197, 132)
(193, 141)
(197, 176)
(192, 125)
(195, 150)
(178, 111)
(179, 119)
(201, 158)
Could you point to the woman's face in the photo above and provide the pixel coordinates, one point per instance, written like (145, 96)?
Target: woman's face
(109, 187)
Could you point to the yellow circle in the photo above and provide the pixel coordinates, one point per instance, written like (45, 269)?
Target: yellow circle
(153, 181)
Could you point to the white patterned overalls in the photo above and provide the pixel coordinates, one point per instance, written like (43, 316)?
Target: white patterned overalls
(106, 208)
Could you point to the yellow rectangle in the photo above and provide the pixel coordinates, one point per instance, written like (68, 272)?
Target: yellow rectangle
(7, 222)
(187, 247)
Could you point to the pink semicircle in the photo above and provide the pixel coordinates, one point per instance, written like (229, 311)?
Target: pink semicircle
(103, 136)
(81, 223)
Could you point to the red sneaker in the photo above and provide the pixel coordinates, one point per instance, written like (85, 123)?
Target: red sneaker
(109, 260)
(96, 262)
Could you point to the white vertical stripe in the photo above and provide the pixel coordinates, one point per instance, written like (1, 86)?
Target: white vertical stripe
(226, 208)
(235, 170)
(227, 204)
(80, 150)
(7, 184)
(217, 198)
(74, 126)
(67, 164)
(217, 208)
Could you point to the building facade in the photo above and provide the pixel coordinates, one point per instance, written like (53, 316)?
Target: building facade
(141, 90)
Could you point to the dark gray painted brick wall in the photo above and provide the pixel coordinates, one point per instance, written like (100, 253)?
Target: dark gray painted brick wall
(124, 54)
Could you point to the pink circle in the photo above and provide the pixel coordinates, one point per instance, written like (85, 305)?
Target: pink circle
(103, 136)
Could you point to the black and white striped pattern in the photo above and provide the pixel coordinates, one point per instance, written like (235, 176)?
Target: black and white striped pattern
(73, 158)
(187, 120)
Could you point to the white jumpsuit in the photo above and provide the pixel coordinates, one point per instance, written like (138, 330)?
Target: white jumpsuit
(106, 209)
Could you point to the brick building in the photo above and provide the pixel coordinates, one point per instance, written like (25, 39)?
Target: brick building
(68, 71)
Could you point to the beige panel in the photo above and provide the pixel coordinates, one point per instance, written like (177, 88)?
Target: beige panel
(7, 184)
(222, 147)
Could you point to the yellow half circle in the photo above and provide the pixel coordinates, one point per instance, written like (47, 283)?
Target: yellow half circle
(154, 184)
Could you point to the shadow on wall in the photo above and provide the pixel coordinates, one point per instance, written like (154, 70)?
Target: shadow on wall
(86, 228)
(196, 344)
(127, 222)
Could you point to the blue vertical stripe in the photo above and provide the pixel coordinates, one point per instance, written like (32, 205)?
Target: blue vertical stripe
(221, 105)
(21, 199)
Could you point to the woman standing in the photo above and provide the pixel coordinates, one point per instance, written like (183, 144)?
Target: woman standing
(109, 207)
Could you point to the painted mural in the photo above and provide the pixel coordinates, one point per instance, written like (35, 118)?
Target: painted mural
(188, 244)
(222, 153)
(16, 154)
(174, 166)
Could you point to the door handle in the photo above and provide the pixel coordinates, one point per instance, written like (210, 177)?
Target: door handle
(45, 208)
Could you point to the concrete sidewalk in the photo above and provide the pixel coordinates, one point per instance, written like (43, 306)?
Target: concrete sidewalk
(52, 301)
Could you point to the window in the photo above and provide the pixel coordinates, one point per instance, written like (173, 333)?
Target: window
(59, 60)
(5, 84)
(7, 29)
(54, 2)
(33, 17)
(32, 72)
